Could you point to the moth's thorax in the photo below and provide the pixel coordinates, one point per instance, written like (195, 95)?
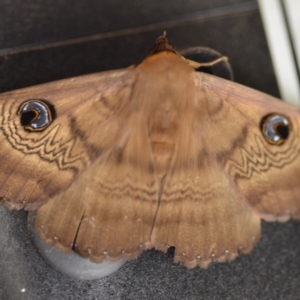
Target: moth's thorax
(164, 90)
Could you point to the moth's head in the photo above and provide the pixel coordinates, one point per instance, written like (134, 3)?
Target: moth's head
(201, 59)
(162, 44)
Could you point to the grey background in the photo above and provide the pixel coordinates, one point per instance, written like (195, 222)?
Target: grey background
(41, 41)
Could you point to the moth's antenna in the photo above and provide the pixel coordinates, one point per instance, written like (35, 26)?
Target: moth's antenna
(197, 65)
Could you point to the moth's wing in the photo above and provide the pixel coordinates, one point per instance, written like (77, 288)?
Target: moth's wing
(109, 211)
(90, 112)
(268, 175)
(201, 213)
(207, 211)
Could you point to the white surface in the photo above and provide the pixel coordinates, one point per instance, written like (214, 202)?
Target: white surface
(293, 15)
(71, 264)
(280, 46)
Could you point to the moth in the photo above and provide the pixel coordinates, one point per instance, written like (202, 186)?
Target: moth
(153, 156)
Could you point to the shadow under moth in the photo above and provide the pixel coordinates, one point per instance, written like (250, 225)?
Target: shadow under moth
(153, 156)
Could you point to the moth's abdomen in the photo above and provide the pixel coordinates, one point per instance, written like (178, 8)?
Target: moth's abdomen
(162, 153)
(163, 129)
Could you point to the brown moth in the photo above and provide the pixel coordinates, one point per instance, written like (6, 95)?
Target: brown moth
(150, 157)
